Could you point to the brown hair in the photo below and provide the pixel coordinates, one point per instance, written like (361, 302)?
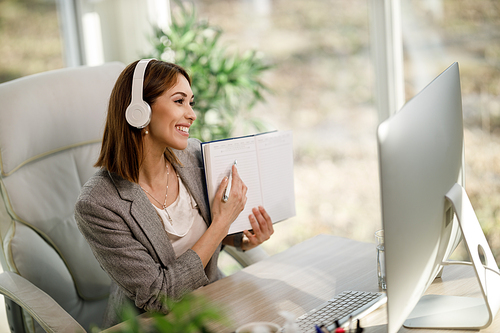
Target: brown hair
(122, 144)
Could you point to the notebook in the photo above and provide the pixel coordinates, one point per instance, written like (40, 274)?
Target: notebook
(265, 164)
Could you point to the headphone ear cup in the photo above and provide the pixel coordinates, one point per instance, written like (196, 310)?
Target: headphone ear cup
(138, 114)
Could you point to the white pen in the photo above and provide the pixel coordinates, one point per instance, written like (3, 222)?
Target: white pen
(229, 181)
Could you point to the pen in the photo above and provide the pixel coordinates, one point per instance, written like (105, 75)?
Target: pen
(228, 188)
(323, 329)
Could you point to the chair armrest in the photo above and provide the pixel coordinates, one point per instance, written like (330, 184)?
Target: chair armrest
(248, 257)
(50, 315)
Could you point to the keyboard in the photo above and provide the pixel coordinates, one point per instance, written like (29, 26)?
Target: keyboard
(349, 304)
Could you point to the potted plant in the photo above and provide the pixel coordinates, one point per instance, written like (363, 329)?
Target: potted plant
(191, 314)
(227, 86)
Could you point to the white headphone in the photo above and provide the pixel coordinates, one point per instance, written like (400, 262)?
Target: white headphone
(138, 113)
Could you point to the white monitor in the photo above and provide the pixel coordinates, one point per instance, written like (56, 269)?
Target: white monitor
(420, 161)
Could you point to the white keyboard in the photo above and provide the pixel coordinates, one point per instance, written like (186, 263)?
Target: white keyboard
(349, 304)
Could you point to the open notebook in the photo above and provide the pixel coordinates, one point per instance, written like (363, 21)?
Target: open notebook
(265, 164)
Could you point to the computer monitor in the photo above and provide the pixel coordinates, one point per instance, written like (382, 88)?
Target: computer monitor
(420, 161)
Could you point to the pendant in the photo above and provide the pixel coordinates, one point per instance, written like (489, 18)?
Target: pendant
(168, 216)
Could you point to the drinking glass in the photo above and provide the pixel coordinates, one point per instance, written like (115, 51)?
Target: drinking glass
(379, 236)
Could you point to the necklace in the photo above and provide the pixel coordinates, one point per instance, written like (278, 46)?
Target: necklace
(164, 204)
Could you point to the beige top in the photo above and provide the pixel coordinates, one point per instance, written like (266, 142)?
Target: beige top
(182, 221)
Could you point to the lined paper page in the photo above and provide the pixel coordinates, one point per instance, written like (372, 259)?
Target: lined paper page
(275, 154)
(222, 155)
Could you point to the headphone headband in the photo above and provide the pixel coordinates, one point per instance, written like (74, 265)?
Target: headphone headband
(138, 113)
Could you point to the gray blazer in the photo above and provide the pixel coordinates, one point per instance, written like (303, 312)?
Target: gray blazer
(128, 239)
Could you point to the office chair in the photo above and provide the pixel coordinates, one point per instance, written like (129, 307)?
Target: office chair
(50, 132)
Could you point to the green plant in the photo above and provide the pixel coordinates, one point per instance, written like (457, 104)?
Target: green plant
(226, 86)
(191, 314)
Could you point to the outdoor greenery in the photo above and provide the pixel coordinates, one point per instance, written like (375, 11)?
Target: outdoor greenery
(29, 38)
(226, 85)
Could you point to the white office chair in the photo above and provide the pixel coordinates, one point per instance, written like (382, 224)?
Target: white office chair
(50, 131)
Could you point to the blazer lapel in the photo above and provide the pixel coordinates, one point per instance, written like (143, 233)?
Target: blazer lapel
(191, 177)
(146, 218)
(192, 174)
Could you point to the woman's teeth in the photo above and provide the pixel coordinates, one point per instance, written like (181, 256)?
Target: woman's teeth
(183, 129)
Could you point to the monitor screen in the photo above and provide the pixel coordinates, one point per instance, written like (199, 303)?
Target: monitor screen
(420, 160)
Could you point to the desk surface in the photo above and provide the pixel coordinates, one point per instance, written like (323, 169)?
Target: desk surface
(309, 273)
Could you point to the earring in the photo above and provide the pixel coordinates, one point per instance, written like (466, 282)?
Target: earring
(146, 132)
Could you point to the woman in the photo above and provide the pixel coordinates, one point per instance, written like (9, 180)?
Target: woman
(144, 213)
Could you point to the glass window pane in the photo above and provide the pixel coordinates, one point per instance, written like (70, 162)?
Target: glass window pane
(29, 38)
(437, 33)
(322, 89)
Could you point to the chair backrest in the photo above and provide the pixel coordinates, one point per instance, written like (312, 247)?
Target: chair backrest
(50, 132)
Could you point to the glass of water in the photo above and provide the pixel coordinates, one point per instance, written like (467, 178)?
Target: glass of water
(379, 236)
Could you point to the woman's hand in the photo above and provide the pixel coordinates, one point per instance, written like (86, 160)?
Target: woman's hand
(224, 213)
(262, 229)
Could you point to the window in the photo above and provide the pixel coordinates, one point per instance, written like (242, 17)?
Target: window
(30, 41)
(437, 33)
(323, 90)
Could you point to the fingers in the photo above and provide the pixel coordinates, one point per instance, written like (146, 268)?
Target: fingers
(262, 220)
(222, 188)
(224, 212)
(234, 170)
(237, 180)
(262, 226)
(238, 188)
(266, 216)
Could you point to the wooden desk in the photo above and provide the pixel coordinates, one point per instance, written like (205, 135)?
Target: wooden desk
(296, 280)
(309, 273)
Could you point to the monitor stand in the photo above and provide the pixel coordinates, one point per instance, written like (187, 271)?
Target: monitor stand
(457, 312)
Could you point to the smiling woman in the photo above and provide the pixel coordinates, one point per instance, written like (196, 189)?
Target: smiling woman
(144, 213)
(172, 115)
(123, 142)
